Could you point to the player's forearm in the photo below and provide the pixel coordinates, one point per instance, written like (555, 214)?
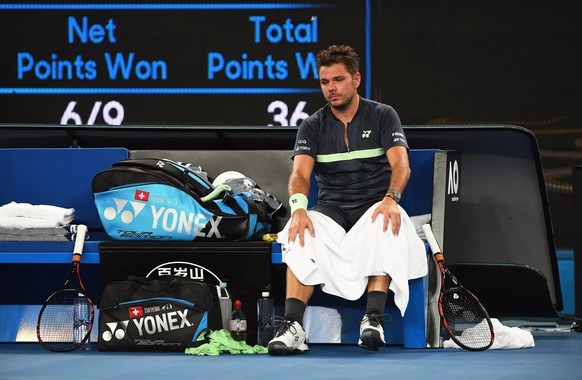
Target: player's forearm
(298, 184)
(400, 176)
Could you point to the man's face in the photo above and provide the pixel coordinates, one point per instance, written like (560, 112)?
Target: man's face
(339, 87)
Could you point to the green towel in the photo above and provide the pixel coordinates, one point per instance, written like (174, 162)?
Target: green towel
(222, 342)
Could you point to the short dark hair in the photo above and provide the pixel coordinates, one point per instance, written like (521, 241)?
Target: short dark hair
(339, 54)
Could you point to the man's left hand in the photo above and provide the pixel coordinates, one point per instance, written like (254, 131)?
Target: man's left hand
(389, 208)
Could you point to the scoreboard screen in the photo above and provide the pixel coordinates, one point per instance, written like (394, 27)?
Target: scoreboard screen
(144, 63)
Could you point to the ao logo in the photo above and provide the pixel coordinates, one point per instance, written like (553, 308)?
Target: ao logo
(117, 329)
(126, 216)
(453, 185)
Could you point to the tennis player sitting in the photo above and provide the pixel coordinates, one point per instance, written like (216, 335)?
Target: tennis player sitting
(357, 238)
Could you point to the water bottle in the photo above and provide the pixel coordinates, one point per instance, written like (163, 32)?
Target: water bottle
(81, 322)
(225, 306)
(266, 315)
(238, 323)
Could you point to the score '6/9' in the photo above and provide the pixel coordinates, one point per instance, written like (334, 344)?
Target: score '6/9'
(113, 113)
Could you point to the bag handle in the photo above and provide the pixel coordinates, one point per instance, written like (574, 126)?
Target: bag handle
(155, 284)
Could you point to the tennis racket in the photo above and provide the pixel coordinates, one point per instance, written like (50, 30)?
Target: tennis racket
(463, 316)
(65, 320)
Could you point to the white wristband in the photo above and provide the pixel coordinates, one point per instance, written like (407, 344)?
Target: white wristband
(298, 201)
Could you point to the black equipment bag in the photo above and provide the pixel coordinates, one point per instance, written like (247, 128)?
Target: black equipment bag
(165, 200)
(164, 313)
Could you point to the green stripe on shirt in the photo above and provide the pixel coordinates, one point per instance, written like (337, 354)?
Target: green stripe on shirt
(346, 156)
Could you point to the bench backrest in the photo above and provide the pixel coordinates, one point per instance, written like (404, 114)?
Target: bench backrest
(271, 169)
(56, 176)
(63, 176)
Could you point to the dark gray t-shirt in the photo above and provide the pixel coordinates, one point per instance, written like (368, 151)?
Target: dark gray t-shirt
(356, 176)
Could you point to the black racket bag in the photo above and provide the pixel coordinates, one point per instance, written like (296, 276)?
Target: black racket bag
(157, 314)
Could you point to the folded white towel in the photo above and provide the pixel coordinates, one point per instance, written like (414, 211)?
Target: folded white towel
(506, 338)
(26, 215)
(21, 222)
(35, 211)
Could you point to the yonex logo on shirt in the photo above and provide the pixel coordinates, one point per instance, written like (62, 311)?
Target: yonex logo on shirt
(366, 134)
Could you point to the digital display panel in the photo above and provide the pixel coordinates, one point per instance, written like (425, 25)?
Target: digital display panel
(169, 63)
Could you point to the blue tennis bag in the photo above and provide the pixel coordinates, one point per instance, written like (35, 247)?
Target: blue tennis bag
(163, 200)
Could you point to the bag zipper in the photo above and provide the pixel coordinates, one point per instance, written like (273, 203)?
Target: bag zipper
(164, 299)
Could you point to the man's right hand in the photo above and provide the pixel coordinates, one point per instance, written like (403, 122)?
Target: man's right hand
(299, 223)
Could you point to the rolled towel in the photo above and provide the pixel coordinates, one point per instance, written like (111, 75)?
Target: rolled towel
(506, 338)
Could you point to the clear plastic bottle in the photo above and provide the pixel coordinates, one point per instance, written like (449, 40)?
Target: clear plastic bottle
(265, 315)
(225, 306)
(238, 323)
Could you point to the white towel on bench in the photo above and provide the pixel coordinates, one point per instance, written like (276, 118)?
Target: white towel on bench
(26, 215)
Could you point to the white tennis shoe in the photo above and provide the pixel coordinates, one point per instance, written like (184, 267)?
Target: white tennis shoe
(371, 332)
(290, 339)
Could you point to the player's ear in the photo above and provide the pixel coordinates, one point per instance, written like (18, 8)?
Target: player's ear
(357, 79)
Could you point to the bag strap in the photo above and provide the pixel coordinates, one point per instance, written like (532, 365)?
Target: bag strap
(258, 209)
(231, 202)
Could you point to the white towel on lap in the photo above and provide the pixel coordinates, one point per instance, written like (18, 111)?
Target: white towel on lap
(342, 262)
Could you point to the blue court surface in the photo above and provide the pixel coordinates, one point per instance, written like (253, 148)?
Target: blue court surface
(557, 355)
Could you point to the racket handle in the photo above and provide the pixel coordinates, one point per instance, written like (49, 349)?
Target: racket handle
(432, 242)
(79, 242)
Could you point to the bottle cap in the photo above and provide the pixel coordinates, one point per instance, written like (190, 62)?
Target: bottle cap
(237, 304)
(265, 294)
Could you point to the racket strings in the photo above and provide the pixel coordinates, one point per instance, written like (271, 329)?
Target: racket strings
(466, 321)
(65, 320)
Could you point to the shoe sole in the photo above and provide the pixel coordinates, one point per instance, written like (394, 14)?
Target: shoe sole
(279, 348)
(371, 340)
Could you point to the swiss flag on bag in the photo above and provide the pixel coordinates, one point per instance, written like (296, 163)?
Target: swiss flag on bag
(142, 195)
(135, 312)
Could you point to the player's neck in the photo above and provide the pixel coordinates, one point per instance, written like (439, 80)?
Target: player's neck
(346, 113)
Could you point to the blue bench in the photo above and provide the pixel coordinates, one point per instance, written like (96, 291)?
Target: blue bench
(63, 177)
(410, 330)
